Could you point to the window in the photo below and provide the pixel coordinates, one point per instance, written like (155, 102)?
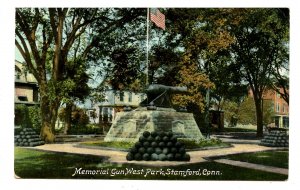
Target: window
(23, 98)
(17, 76)
(130, 97)
(277, 107)
(278, 95)
(121, 96)
(285, 122)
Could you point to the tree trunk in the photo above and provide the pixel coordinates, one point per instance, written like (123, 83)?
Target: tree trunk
(48, 115)
(259, 117)
(46, 132)
(68, 116)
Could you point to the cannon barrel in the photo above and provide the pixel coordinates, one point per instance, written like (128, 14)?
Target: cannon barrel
(159, 88)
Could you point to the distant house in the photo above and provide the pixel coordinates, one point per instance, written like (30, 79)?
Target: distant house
(116, 101)
(280, 107)
(26, 86)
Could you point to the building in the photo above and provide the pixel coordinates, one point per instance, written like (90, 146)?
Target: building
(26, 86)
(280, 108)
(116, 101)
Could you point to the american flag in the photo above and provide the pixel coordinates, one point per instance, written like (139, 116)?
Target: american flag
(158, 18)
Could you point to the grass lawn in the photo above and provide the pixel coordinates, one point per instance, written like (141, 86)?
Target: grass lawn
(40, 164)
(188, 144)
(239, 129)
(270, 158)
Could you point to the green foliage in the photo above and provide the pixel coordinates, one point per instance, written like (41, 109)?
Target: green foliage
(22, 116)
(35, 117)
(202, 143)
(245, 112)
(28, 116)
(230, 112)
(79, 121)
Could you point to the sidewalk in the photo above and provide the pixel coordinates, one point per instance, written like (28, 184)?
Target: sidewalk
(271, 169)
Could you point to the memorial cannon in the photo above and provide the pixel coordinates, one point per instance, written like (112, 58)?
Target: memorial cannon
(160, 95)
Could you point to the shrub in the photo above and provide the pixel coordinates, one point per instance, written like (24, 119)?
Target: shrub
(35, 117)
(22, 116)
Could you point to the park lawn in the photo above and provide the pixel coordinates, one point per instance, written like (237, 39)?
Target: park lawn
(127, 145)
(40, 164)
(238, 129)
(102, 143)
(270, 158)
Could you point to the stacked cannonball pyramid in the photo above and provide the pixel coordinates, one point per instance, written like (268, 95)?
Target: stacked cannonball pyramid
(276, 138)
(28, 137)
(162, 146)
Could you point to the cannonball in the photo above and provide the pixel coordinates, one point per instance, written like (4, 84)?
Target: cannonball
(169, 134)
(158, 139)
(146, 156)
(154, 157)
(178, 144)
(153, 134)
(186, 157)
(138, 156)
(154, 144)
(178, 157)
(162, 157)
(161, 144)
(166, 150)
(173, 150)
(173, 139)
(158, 150)
(181, 150)
(142, 150)
(133, 150)
(142, 139)
(150, 139)
(169, 144)
(138, 144)
(146, 134)
(150, 150)
(129, 156)
(165, 139)
(161, 134)
(146, 144)
(170, 156)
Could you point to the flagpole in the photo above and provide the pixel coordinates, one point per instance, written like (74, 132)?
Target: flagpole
(147, 50)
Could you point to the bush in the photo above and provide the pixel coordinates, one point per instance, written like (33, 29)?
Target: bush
(22, 116)
(191, 144)
(35, 117)
(88, 129)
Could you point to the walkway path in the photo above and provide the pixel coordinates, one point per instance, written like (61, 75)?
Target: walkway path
(253, 166)
(119, 157)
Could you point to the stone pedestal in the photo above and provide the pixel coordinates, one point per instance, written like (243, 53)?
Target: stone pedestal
(129, 126)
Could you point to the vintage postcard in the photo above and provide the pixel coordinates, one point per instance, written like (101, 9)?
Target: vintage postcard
(152, 93)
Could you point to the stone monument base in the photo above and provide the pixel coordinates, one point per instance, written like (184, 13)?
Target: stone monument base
(129, 126)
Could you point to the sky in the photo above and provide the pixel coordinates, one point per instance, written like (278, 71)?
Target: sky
(7, 100)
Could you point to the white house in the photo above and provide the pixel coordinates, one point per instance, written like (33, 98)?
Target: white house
(115, 101)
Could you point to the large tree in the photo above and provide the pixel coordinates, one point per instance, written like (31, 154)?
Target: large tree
(52, 34)
(260, 47)
(234, 48)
